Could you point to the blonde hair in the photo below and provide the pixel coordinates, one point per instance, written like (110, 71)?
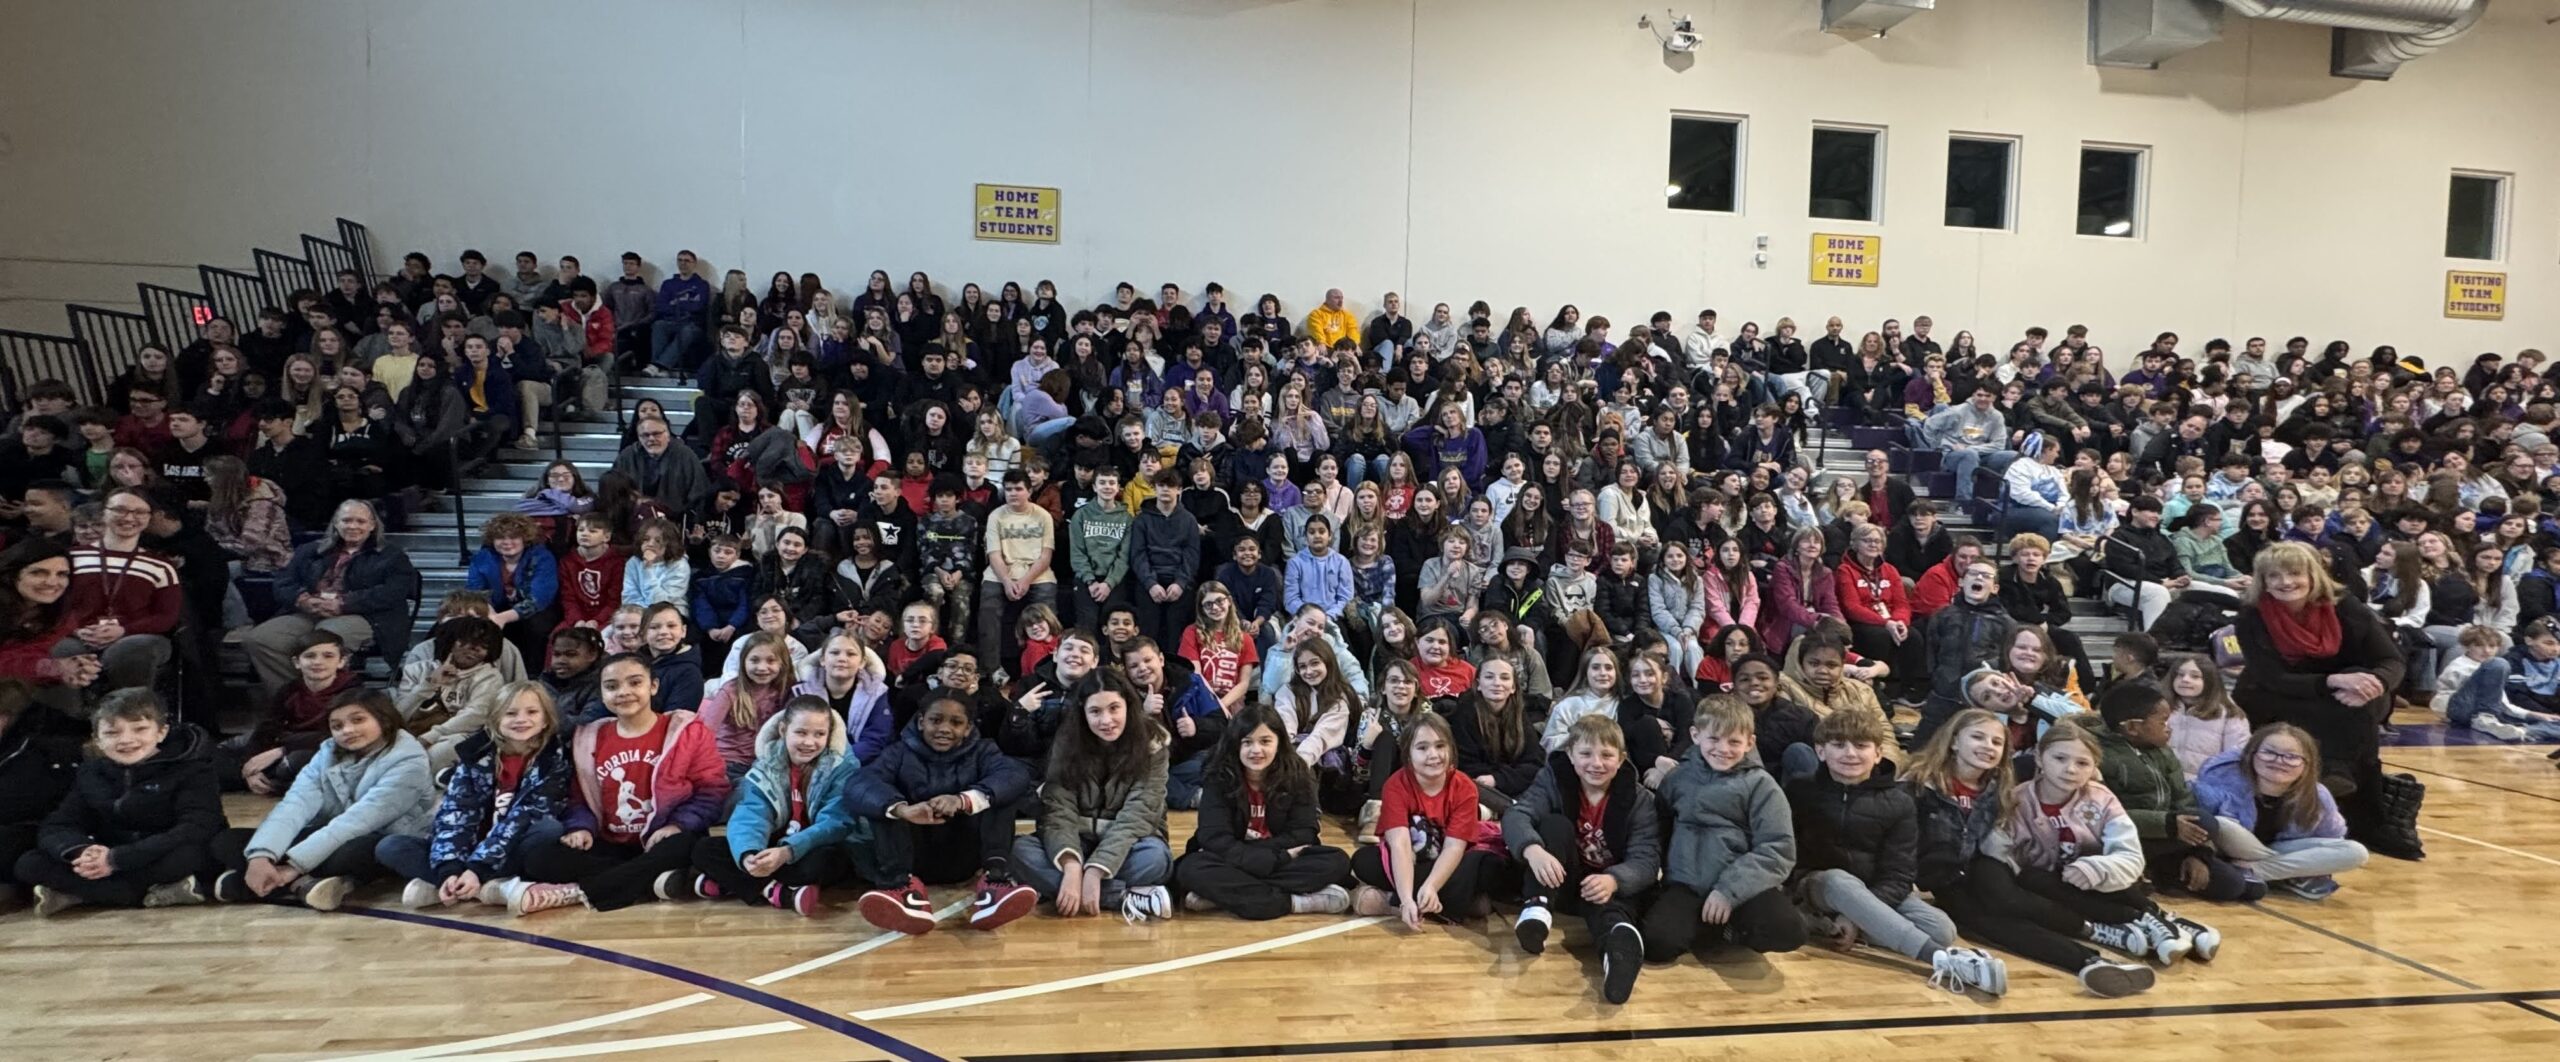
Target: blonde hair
(742, 701)
(2292, 558)
(1933, 767)
(1596, 730)
(541, 695)
(1724, 715)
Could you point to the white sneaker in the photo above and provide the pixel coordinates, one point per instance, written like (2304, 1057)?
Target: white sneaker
(1141, 904)
(51, 901)
(417, 894)
(2489, 723)
(1957, 969)
(500, 892)
(2203, 941)
(1331, 899)
(327, 893)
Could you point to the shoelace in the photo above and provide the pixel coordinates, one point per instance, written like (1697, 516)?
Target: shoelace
(1135, 909)
(1946, 977)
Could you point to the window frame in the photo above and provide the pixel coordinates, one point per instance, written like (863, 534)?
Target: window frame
(2501, 208)
(1741, 157)
(2140, 198)
(1875, 176)
(2009, 196)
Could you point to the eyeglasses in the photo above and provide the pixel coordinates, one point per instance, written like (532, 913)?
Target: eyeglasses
(2281, 759)
(143, 513)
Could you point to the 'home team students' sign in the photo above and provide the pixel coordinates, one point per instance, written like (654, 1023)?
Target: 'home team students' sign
(1856, 261)
(1016, 214)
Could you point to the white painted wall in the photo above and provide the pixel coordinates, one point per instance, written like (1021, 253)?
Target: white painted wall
(1510, 150)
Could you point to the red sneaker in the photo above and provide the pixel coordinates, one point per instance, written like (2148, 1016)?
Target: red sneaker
(804, 901)
(902, 910)
(1000, 902)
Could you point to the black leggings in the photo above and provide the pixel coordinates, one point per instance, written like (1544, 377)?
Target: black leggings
(354, 859)
(1457, 895)
(2122, 905)
(1556, 834)
(124, 888)
(612, 875)
(1264, 894)
(1767, 922)
(826, 865)
(1989, 906)
(942, 854)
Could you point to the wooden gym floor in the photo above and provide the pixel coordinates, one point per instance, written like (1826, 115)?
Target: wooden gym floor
(2448, 958)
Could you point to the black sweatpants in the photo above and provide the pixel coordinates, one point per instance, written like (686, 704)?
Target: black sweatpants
(1457, 895)
(944, 854)
(2122, 905)
(1260, 896)
(612, 875)
(354, 859)
(16, 841)
(1556, 835)
(1163, 622)
(1990, 907)
(124, 888)
(1766, 922)
(830, 865)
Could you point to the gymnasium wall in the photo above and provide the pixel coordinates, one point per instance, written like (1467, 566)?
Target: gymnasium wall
(1511, 150)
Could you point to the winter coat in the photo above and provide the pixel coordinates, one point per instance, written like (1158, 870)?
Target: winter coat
(1791, 611)
(578, 698)
(2223, 790)
(471, 832)
(679, 677)
(1871, 829)
(378, 586)
(1731, 830)
(1476, 756)
(2148, 782)
(645, 584)
(168, 803)
(387, 792)
(536, 586)
(809, 588)
(1952, 834)
(1290, 818)
(909, 771)
(1621, 604)
(1101, 820)
(1963, 636)
(2275, 691)
(686, 790)
(885, 588)
(1782, 723)
(1630, 821)
(725, 598)
(764, 797)
(1727, 606)
(1679, 609)
(2108, 842)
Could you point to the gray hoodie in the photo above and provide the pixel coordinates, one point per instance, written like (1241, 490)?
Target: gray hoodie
(1731, 831)
(1958, 425)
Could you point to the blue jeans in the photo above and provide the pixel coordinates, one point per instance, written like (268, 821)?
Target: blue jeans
(1150, 862)
(1798, 761)
(1041, 434)
(670, 342)
(1182, 781)
(1355, 469)
(1963, 460)
(2019, 519)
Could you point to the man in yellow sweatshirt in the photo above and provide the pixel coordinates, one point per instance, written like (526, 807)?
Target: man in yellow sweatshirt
(1330, 323)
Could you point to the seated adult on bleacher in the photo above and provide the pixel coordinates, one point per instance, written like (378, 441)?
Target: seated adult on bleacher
(348, 581)
(124, 600)
(665, 469)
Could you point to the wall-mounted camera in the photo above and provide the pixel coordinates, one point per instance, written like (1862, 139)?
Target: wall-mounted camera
(1673, 31)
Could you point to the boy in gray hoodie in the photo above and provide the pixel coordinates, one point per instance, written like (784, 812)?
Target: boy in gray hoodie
(1732, 844)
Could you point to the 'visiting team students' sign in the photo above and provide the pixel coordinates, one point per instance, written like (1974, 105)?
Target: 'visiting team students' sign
(1857, 261)
(1017, 214)
(2473, 296)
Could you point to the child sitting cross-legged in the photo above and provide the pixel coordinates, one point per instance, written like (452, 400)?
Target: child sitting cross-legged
(2514, 696)
(787, 835)
(645, 786)
(1857, 857)
(1587, 834)
(940, 801)
(2272, 817)
(367, 782)
(1732, 843)
(132, 831)
(1425, 862)
(1256, 851)
(509, 777)
(2072, 842)
(449, 699)
(2144, 774)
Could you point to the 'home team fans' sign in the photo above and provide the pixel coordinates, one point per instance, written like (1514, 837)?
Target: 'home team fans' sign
(1857, 261)
(2475, 296)
(1017, 214)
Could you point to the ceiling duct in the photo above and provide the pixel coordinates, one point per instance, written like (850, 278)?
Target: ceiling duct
(1869, 18)
(2370, 38)
(2374, 56)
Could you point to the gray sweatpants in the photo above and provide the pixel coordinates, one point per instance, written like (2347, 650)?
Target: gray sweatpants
(1912, 927)
(2302, 857)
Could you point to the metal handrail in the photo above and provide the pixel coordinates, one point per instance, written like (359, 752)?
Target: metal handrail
(461, 532)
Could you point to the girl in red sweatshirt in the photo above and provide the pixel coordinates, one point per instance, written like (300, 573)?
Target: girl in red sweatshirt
(591, 575)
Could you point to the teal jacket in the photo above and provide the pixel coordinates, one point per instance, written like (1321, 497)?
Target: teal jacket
(764, 796)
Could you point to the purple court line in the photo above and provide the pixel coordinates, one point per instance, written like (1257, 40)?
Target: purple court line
(745, 993)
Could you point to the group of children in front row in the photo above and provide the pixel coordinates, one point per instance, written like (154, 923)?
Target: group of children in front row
(2033, 854)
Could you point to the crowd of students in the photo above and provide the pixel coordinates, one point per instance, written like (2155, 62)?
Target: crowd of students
(1539, 614)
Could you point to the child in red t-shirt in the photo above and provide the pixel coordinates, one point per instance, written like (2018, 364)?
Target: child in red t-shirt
(916, 638)
(1425, 862)
(1589, 836)
(1443, 673)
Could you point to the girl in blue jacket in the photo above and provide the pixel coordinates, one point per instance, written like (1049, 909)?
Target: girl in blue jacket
(787, 836)
(2273, 818)
(508, 785)
(367, 782)
(940, 803)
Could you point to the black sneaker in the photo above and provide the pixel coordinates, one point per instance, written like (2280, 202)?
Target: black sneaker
(231, 887)
(2114, 980)
(1621, 956)
(1532, 927)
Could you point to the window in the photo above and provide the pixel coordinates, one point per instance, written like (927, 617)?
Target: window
(1706, 164)
(1981, 174)
(2111, 191)
(2474, 218)
(1847, 173)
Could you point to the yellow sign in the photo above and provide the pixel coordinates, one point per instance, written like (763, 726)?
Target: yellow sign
(1017, 214)
(1857, 261)
(2475, 296)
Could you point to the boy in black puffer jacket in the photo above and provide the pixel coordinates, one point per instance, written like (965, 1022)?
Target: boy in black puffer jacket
(1588, 836)
(1857, 856)
(133, 831)
(37, 764)
(1620, 599)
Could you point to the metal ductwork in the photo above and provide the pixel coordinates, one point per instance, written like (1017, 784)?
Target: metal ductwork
(1869, 18)
(2370, 38)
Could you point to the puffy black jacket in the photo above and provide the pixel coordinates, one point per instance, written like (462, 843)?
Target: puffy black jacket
(1291, 818)
(36, 770)
(1621, 604)
(1950, 833)
(1871, 829)
(144, 812)
(1476, 755)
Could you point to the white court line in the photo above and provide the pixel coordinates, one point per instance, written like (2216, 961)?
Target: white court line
(956, 1002)
(2485, 844)
(645, 1043)
(546, 1032)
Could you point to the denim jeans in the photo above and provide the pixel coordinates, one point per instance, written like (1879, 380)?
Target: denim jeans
(1150, 862)
(1182, 782)
(1355, 469)
(1962, 460)
(2302, 857)
(407, 856)
(671, 341)
(2486, 691)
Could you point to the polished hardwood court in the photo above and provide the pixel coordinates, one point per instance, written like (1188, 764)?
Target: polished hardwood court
(2447, 958)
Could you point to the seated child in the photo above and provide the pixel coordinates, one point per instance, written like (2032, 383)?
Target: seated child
(2515, 696)
(658, 572)
(509, 781)
(449, 700)
(591, 575)
(2072, 842)
(787, 835)
(940, 803)
(1732, 843)
(2271, 816)
(1176, 697)
(368, 782)
(421, 656)
(1425, 862)
(2136, 655)
(571, 678)
(2139, 768)
(1857, 843)
(737, 712)
(1256, 850)
(647, 786)
(2204, 723)
(1587, 836)
(132, 831)
(622, 633)
(39, 764)
(1101, 839)
(296, 726)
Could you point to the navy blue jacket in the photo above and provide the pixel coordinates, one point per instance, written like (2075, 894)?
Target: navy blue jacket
(379, 583)
(909, 771)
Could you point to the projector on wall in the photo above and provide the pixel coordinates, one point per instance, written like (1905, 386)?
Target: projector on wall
(1673, 31)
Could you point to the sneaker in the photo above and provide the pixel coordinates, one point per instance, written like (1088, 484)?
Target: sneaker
(902, 910)
(2114, 980)
(173, 894)
(1370, 901)
(1331, 899)
(543, 897)
(417, 894)
(1533, 926)
(2312, 889)
(327, 893)
(51, 901)
(2252, 889)
(676, 885)
(2168, 945)
(2202, 940)
(231, 887)
(802, 900)
(706, 888)
(2489, 723)
(2120, 936)
(1194, 902)
(999, 902)
(527, 442)
(1141, 904)
(1957, 969)
(499, 892)
(1621, 957)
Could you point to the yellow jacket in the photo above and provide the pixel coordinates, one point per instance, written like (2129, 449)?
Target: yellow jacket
(1327, 325)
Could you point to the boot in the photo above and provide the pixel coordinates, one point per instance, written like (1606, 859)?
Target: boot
(2395, 833)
